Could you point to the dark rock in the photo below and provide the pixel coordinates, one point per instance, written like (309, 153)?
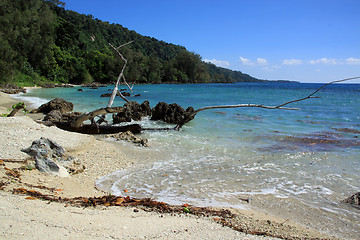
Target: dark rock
(53, 116)
(80, 90)
(353, 200)
(13, 91)
(55, 104)
(94, 85)
(105, 95)
(57, 116)
(171, 113)
(10, 88)
(47, 85)
(126, 94)
(132, 111)
(46, 154)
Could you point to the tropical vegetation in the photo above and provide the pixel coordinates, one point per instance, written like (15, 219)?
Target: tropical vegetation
(41, 42)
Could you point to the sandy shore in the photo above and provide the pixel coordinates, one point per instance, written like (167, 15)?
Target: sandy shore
(24, 218)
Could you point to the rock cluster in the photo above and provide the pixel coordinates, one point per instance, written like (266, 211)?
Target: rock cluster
(132, 111)
(12, 89)
(47, 155)
(171, 113)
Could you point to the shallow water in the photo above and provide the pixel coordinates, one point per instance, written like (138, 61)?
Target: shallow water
(225, 155)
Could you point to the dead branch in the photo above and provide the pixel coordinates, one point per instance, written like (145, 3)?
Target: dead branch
(121, 76)
(317, 90)
(281, 106)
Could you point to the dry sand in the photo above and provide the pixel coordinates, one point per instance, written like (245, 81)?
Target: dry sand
(22, 218)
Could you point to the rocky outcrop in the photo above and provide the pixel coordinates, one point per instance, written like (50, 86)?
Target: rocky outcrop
(11, 89)
(132, 111)
(55, 104)
(47, 155)
(171, 113)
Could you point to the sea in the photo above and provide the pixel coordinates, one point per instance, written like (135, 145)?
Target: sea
(299, 164)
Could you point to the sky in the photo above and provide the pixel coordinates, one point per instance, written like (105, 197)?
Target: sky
(299, 40)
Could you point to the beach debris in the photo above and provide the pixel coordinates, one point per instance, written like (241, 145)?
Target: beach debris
(130, 137)
(55, 104)
(354, 200)
(47, 155)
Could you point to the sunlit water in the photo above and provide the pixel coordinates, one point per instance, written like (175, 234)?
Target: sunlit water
(226, 155)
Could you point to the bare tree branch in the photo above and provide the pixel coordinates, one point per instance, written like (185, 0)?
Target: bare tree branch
(121, 76)
(317, 90)
(281, 106)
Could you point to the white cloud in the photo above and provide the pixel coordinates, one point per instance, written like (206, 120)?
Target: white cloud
(261, 61)
(324, 61)
(353, 61)
(245, 61)
(218, 63)
(291, 62)
(258, 62)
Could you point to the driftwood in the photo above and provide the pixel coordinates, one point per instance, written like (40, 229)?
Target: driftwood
(280, 106)
(78, 122)
(99, 129)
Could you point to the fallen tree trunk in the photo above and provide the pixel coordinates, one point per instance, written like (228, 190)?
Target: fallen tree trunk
(94, 129)
(78, 122)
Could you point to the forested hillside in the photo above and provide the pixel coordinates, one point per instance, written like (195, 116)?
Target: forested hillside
(42, 42)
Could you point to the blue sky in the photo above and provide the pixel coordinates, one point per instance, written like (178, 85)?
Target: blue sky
(302, 40)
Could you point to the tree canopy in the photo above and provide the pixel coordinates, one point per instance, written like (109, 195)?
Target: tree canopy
(40, 41)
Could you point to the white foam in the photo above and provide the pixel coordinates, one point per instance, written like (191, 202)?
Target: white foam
(35, 102)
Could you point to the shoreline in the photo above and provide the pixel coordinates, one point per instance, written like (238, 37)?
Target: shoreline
(101, 158)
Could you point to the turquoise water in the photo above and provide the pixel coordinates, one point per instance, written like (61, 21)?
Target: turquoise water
(224, 155)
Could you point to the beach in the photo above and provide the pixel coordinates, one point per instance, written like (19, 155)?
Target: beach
(24, 218)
